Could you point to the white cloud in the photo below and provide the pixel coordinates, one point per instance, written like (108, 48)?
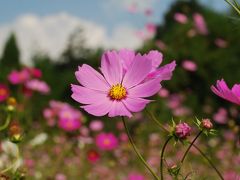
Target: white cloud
(50, 34)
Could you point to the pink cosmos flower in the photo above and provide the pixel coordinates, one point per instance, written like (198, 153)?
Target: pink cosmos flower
(96, 125)
(93, 156)
(161, 45)
(4, 92)
(189, 65)
(132, 8)
(151, 28)
(200, 24)
(221, 43)
(182, 130)
(163, 93)
(106, 141)
(222, 90)
(69, 119)
(18, 77)
(221, 116)
(35, 72)
(38, 85)
(148, 12)
(126, 80)
(180, 18)
(135, 176)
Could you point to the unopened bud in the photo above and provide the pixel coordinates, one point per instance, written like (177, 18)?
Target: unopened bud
(207, 124)
(15, 132)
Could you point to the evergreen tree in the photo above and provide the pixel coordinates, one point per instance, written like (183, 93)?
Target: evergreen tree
(10, 58)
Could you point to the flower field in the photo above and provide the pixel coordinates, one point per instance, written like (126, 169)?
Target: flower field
(166, 110)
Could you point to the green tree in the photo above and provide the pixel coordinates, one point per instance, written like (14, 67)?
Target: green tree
(11, 55)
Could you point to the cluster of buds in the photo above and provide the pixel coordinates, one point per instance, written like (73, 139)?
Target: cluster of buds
(15, 132)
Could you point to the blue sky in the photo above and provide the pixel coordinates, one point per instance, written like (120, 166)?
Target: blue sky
(105, 12)
(45, 25)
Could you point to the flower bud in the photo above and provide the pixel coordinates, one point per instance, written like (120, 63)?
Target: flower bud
(15, 132)
(182, 130)
(207, 124)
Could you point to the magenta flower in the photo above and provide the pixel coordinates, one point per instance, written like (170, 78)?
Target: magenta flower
(221, 43)
(69, 119)
(18, 77)
(38, 85)
(180, 18)
(106, 141)
(93, 156)
(4, 92)
(222, 90)
(126, 80)
(182, 130)
(200, 24)
(135, 176)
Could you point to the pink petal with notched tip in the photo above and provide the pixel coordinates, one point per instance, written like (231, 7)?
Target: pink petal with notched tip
(146, 89)
(86, 96)
(99, 108)
(119, 109)
(111, 67)
(91, 79)
(135, 104)
(138, 71)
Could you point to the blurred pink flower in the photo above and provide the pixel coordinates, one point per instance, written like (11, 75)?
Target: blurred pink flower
(200, 24)
(60, 176)
(221, 43)
(35, 72)
(182, 130)
(135, 176)
(161, 45)
(96, 125)
(18, 77)
(38, 85)
(222, 90)
(69, 119)
(93, 156)
(231, 175)
(132, 8)
(189, 65)
(151, 28)
(106, 141)
(126, 81)
(148, 12)
(180, 18)
(4, 92)
(220, 116)
(163, 93)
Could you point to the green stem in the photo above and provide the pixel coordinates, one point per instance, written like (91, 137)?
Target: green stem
(209, 161)
(189, 147)
(235, 7)
(137, 152)
(13, 164)
(5, 125)
(162, 154)
(156, 121)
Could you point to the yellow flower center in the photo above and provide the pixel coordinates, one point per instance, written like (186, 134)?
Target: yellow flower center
(117, 92)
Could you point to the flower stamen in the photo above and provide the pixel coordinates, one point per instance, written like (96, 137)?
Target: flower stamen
(117, 92)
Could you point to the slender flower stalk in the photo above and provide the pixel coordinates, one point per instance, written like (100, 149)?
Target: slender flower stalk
(5, 125)
(209, 161)
(137, 151)
(162, 156)
(235, 5)
(189, 147)
(156, 121)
